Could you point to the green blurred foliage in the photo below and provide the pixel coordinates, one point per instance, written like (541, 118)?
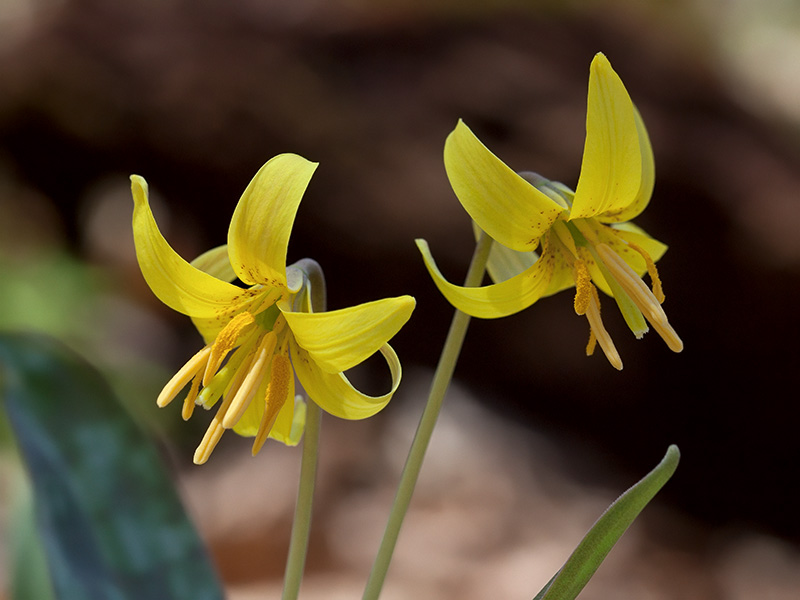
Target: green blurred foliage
(111, 522)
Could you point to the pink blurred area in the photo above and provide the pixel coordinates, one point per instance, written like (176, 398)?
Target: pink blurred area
(536, 438)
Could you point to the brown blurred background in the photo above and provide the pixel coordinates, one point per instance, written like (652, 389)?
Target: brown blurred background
(195, 96)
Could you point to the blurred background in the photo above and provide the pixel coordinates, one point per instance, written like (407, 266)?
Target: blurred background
(536, 439)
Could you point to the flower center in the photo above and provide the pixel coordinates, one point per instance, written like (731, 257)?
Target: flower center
(254, 349)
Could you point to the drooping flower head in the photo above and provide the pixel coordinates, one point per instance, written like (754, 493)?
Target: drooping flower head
(549, 238)
(258, 337)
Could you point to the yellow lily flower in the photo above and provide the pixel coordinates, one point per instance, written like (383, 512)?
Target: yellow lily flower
(549, 238)
(268, 330)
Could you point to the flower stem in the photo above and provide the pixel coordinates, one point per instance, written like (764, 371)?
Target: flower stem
(301, 526)
(313, 298)
(439, 384)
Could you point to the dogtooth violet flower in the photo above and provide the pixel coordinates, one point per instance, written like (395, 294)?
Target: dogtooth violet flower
(258, 337)
(549, 238)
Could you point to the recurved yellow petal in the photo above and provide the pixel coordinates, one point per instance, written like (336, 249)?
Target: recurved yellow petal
(334, 393)
(611, 171)
(215, 262)
(503, 262)
(498, 300)
(562, 277)
(262, 222)
(502, 203)
(173, 280)
(340, 339)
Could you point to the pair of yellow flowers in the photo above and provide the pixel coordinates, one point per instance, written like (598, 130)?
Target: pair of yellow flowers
(547, 238)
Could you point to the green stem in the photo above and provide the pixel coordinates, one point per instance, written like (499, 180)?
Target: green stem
(301, 526)
(312, 297)
(439, 384)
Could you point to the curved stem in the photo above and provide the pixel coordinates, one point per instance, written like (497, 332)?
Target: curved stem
(439, 384)
(314, 299)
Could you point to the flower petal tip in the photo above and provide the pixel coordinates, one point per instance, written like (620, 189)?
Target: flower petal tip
(138, 189)
(600, 61)
(408, 302)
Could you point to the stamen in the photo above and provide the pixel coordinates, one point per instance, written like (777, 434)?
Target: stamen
(236, 383)
(226, 340)
(255, 375)
(183, 376)
(583, 287)
(210, 441)
(600, 333)
(188, 402)
(219, 383)
(658, 290)
(216, 429)
(592, 344)
(275, 398)
(641, 295)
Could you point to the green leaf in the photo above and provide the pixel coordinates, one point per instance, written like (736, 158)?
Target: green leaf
(112, 525)
(597, 543)
(28, 565)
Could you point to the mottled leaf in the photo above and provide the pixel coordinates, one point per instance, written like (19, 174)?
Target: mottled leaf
(112, 525)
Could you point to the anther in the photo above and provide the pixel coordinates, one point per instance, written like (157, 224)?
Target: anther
(225, 341)
(276, 395)
(600, 332)
(183, 376)
(583, 287)
(188, 402)
(658, 290)
(210, 441)
(216, 429)
(592, 343)
(641, 295)
(253, 379)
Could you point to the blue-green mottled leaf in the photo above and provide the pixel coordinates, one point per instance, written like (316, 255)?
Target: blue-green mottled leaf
(597, 543)
(112, 525)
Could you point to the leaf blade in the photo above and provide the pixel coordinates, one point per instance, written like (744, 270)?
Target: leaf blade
(113, 526)
(597, 543)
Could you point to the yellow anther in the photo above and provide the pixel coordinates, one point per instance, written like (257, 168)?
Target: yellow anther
(216, 429)
(226, 340)
(583, 287)
(658, 290)
(183, 376)
(188, 402)
(641, 295)
(600, 333)
(255, 375)
(210, 441)
(235, 383)
(277, 393)
(592, 344)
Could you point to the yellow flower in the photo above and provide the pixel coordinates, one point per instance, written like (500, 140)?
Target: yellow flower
(549, 238)
(258, 328)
